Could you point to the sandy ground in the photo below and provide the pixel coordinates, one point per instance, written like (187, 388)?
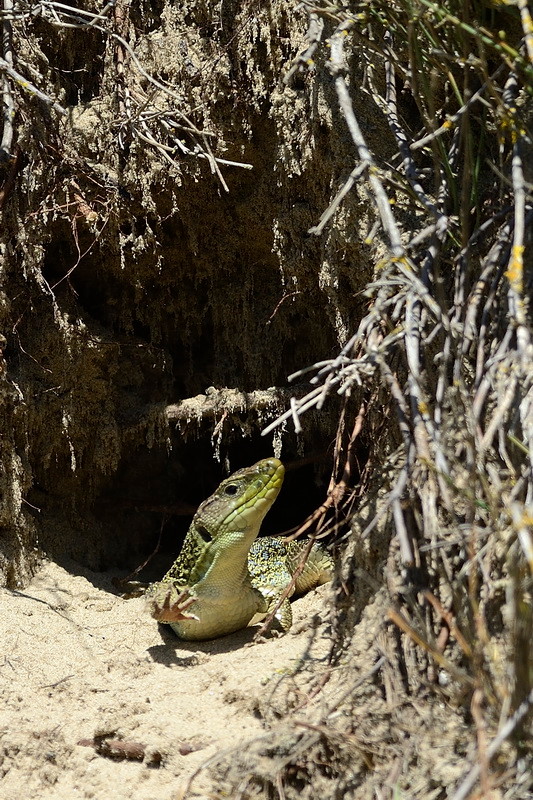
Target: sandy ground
(79, 662)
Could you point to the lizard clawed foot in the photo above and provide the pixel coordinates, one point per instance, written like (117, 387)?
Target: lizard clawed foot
(167, 604)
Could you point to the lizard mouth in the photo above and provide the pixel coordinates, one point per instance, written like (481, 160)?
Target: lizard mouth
(241, 502)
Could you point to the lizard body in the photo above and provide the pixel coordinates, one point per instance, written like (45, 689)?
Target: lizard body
(223, 578)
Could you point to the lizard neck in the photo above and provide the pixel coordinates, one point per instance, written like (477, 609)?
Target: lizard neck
(226, 559)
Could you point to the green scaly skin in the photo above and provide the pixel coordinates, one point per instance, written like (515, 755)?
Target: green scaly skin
(209, 591)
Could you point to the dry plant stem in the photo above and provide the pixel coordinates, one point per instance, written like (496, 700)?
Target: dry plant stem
(75, 13)
(406, 548)
(395, 493)
(122, 12)
(278, 782)
(337, 200)
(28, 87)
(477, 715)
(485, 382)
(305, 59)
(337, 67)
(265, 627)
(527, 26)
(402, 411)
(7, 186)
(8, 104)
(463, 791)
(453, 120)
(450, 622)
(66, 16)
(484, 287)
(408, 165)
(299, 407)
(342, 372)
(295, 418)
(338, 489)
(471, 357)
(522, 521)
(515, 271)
(406, 627)
(517, 301)
(500, 413)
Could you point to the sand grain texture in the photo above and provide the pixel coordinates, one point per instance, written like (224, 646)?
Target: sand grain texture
(79, 662)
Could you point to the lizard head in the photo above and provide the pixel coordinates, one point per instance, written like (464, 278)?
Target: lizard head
(227, 523)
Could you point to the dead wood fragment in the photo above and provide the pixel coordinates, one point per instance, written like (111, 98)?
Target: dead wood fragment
(120, 750)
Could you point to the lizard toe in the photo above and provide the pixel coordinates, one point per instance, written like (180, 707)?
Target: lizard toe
(167, 604)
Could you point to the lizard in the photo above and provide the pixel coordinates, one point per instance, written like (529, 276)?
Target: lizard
(224, 577)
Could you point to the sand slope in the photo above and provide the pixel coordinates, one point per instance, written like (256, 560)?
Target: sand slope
(78, 662)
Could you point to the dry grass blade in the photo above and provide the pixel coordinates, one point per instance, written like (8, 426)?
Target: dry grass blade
(447, 335)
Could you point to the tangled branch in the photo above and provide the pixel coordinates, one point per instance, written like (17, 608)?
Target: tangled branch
(448, 332)
(157, 120)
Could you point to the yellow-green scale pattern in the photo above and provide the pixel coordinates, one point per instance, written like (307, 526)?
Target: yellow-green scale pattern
(213, 588)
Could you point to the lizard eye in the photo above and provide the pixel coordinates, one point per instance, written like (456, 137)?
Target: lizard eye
(204, 533)
(231, 489)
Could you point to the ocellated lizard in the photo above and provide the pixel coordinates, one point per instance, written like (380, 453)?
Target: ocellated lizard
(223, 578)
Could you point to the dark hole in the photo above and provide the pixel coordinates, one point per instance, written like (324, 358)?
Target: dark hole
(204, 533)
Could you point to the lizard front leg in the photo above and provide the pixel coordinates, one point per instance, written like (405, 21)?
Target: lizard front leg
(166, 602)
